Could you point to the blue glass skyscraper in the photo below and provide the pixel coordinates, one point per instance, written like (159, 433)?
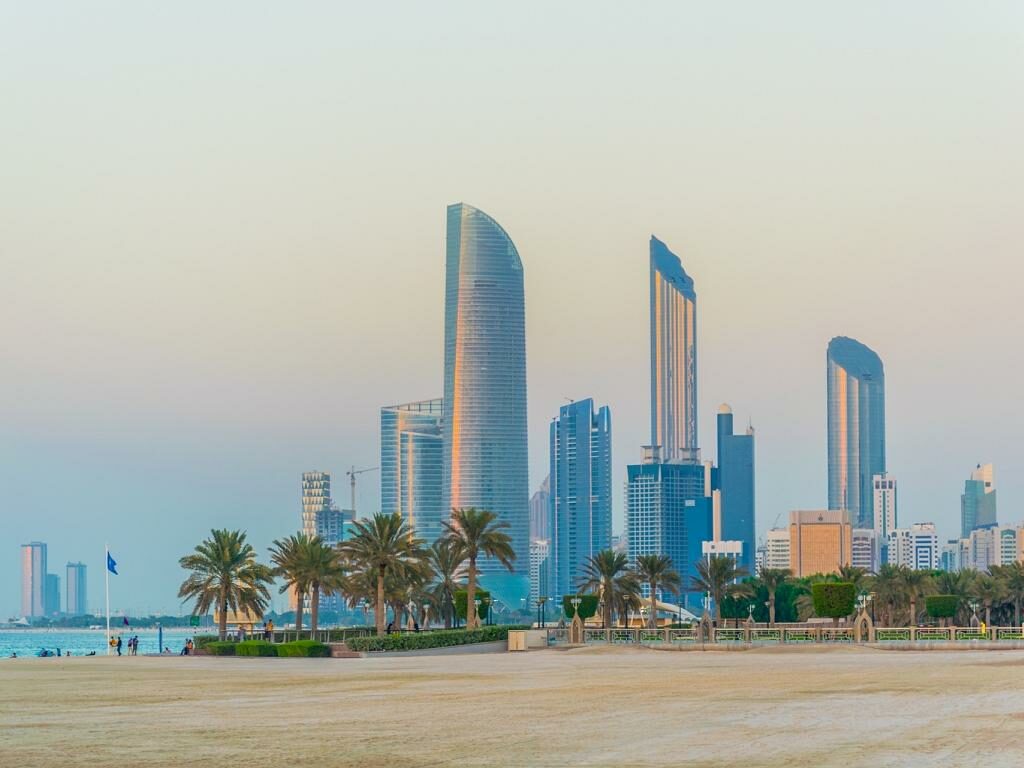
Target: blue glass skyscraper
(669, 511)
(673, 356)
(856, 428)
(581, 491)
(484, 424)
(736, 481)
(411, 460)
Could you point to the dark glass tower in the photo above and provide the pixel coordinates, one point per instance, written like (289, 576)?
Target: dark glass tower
(484, 417)
(856, 428)
(736, 481)
(581, 491)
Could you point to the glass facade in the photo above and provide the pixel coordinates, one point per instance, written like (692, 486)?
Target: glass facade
(673, 356)
(978, 502)
(75, 600)
(669, 511)
(484, 424)
(856, 428)
(411, 459)
(316, 498)
(33, 579)
(736, 479)
(581, 492)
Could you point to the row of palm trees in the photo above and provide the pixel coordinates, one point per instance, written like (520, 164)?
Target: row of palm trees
(382, 564)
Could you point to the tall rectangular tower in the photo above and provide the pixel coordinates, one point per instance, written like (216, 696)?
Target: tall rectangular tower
(884, 504)
(581, 490)
(673, 356)
(76, 597)
(820, 541)
(411, 466)
(978, 502)
(736, 478)
(33, 579)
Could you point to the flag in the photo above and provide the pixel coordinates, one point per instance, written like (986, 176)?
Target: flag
(126, 621)
(111, 564)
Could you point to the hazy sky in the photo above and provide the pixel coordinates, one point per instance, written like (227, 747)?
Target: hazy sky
(222, 242)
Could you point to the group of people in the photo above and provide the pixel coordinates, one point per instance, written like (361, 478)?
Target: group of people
(133, 645)
(186, 650)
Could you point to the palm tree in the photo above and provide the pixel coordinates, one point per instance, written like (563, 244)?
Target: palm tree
(773, 578)
(383, 545)
(657, 571)
(289, 559)
(478, 532)
(1012, 576)
(607, 575)
(855, 575)
(325, 574)
(989, 590)
(447, 563)
(915, 584)
(889, 589)
(716, 576)
(957, 583)
(225, 574)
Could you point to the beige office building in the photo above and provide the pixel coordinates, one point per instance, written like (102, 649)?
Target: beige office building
(820, 541)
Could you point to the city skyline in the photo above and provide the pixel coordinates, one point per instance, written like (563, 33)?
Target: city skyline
(166, 292)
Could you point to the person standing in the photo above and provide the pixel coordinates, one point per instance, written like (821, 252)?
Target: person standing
(118, 646)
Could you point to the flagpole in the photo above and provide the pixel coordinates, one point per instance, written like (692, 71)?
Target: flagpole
(106, 580)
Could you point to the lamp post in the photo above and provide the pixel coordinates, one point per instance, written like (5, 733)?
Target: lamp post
(477, 602)
(575, 606)
(542, 609)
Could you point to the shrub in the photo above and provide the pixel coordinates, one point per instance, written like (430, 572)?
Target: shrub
(220, 648)
(587, 606)
(303, 648)
(255, 648)
(441, 638)
(833, 599)
(460, 603)
(941, 606)
(201, 641)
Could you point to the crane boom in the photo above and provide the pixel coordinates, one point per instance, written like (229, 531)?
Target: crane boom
(352, 483)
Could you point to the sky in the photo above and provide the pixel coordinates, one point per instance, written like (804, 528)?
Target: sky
(222, 243)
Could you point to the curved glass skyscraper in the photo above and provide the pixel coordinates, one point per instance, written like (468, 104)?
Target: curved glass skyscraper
(856, 428)
(484, 417)
(673, 356)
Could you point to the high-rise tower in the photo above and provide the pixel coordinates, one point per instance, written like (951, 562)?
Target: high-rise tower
(76, 600)
(581, 491)
(33, 579)
(673, 356)
(484, 423)
(978, 502)
(856, 428)
(410, 465)
(736, 481)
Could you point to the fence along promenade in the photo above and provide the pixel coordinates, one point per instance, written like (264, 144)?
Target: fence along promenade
(785, 635)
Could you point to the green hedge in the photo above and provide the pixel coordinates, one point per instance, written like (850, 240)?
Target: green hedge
(587, 606)
(201, 641)
(460, 603)
(255, 648)
(303, 648)
(219, 648)
(833, 600)
(941, 606)
(441, 638)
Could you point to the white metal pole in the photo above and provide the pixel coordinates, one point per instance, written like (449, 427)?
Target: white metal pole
(106, 581)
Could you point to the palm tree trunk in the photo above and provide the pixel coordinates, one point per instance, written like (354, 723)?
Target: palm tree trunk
(471, 595)
(222, 610)
(913, 612)
(299, 599)
(1016, 611)
(314, 610)
(771, 608)
(988, 615)
(654, 607)
(378, 607)
(447, 610)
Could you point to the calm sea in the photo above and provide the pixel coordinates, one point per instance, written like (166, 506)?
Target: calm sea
(27, 642)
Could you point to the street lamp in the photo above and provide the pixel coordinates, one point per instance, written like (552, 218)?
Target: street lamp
(542, 609)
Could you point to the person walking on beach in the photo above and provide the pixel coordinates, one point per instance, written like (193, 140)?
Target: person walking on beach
(118, 646)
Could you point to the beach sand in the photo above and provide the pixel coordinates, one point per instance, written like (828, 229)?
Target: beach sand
(592, 706)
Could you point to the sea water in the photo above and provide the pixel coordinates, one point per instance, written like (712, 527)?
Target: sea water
(28, 642)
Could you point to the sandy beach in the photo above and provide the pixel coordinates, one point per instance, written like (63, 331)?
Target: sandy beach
(591, 706)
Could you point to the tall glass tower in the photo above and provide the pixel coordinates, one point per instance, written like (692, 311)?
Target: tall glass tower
(581, 491)
(673, 356)
(978, 501)
(410, 465)
(484, 424)
(856, 428)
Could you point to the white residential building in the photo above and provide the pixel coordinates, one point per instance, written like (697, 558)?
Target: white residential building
(884, 505)
(916, 547)
(865, 549)
(777, 548)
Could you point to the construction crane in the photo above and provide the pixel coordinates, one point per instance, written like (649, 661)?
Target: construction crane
(352, 483)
